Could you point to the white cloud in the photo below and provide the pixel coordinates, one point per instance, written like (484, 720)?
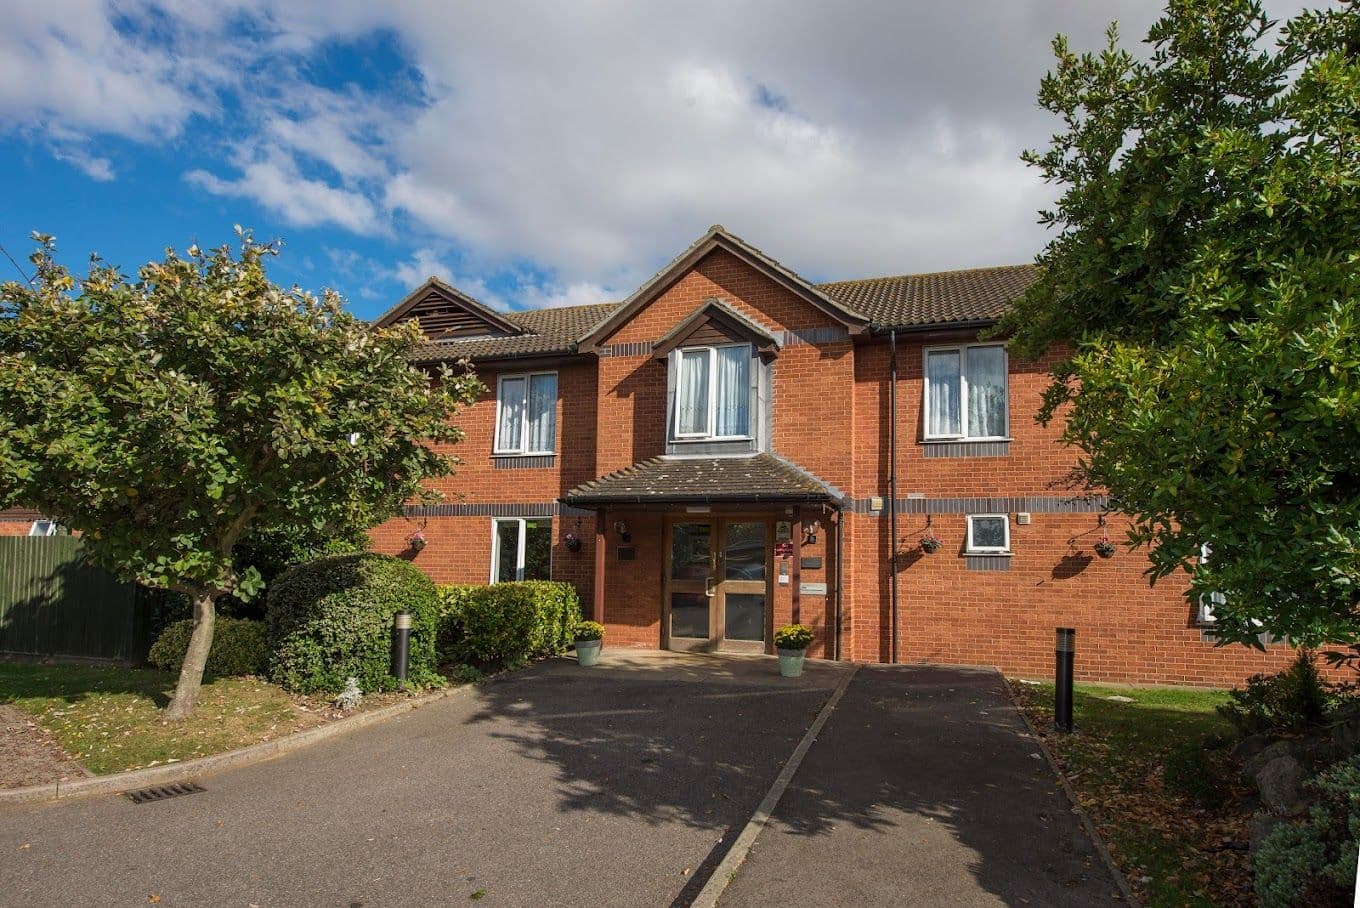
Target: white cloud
(275, 183)
(96, 168)
(585, 144)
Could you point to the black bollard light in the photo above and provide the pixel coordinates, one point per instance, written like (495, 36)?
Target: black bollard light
(401, 645)
(1065, 651)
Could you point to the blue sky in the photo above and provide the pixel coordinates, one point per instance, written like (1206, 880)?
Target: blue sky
(532, 153)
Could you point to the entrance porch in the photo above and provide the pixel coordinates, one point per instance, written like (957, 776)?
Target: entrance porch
(714, 554)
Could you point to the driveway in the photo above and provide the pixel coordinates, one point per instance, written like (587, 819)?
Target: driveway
(554, 785)
(620, 785)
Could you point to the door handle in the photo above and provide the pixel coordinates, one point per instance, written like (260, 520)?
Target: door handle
(708, 587)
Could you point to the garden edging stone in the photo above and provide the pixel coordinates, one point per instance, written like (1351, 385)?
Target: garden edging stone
(117, 783)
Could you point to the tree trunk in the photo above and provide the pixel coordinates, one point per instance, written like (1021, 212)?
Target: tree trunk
(195, 658)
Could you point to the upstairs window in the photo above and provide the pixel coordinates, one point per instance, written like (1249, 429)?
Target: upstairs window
(43, 527)
(526, 413)
(966, 392)
(713, 392)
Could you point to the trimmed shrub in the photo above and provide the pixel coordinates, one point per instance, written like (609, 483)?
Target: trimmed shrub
(452, 599)
(331, 619)
(1313, 863)
(1291, 700)
(238, 647)
(510, 623)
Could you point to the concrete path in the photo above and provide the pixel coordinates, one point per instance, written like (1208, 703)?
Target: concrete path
(556, 785)
(923, 789)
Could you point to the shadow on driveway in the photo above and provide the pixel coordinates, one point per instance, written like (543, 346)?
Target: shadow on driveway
(923, 789)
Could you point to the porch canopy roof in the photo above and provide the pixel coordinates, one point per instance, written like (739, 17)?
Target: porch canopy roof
(705, 480)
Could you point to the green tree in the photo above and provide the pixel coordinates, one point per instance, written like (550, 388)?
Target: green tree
(1202, 282)
(168, 418)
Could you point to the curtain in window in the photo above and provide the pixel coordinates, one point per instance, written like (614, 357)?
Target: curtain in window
(512, 415)
(733, 415)
(986, 391)
(691, 401)
(942, 399)
(542, 412)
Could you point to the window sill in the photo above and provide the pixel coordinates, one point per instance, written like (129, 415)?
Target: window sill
(957, 441)
(708, 439)
(500, 454)
(976, 554)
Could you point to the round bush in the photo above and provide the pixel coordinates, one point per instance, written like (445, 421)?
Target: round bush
(238, 647)
(331, 619)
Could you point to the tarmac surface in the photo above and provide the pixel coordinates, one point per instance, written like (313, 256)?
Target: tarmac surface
(622, 784)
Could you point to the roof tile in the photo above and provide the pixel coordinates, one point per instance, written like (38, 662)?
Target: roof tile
(759, 477)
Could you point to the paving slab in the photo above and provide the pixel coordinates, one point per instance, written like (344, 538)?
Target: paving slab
(618, 785)
(923, 788)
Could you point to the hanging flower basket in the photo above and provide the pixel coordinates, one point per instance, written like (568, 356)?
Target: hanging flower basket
(1105, 548)
(416, 540)
(930, 543)
(573, 542)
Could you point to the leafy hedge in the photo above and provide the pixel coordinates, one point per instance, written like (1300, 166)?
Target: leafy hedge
(1313, 863)
(332, 618)
(238, 647)
(507, 623)
(452, 599)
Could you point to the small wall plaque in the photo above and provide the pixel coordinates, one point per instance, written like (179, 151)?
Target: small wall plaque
(626, 553)
(812, 589)
(811, 564)
(783, 531)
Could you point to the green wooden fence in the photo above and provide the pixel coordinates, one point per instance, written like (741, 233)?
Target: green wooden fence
(55, 603)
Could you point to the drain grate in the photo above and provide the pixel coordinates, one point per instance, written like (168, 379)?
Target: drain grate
(161, 792)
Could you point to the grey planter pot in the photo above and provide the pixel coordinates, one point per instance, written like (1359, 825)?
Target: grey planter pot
(588, 651)
(791, 662)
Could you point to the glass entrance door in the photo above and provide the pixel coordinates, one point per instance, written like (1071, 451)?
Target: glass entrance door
(717, 585)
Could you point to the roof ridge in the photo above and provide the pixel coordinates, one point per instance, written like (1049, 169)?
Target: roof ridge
(919, 274)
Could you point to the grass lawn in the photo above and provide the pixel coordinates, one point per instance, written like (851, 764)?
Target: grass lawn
(110, 718)
(1174, 848)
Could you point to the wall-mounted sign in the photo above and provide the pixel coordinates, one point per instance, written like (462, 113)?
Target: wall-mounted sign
(783, 531)
(783, 549)
(812, 589)
(811, 564)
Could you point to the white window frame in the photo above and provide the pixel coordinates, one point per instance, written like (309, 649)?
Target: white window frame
(498, 446)
(962, 350)
(519, 554)
(970, 549)
(1208, 600)
(43, 527)
(711, 413)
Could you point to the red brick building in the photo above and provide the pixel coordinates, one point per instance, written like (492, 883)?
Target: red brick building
(727, 451)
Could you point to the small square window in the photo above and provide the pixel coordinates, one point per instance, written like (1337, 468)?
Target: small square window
(989, 534)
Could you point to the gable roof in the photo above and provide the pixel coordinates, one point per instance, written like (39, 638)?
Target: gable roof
(723, 317)
(941, 298)
(717, 237)
(442, 308)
